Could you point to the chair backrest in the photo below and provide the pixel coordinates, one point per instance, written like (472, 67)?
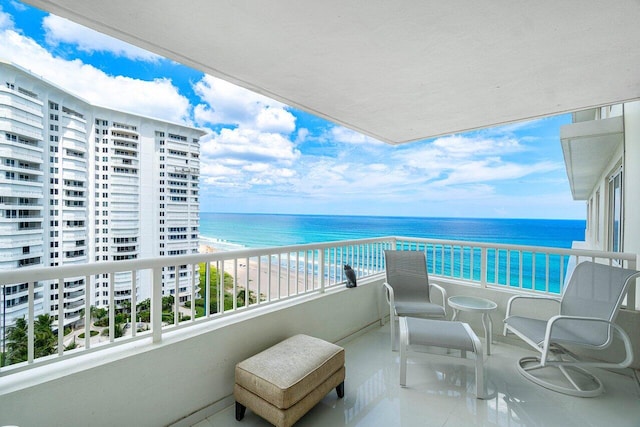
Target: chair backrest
(595, 290)
(407, 274)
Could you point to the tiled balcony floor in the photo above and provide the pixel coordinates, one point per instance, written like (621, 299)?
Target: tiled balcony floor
(440, 390)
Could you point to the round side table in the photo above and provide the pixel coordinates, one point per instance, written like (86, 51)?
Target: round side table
(475, 305)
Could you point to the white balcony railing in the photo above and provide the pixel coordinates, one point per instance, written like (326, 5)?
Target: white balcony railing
(257, 277)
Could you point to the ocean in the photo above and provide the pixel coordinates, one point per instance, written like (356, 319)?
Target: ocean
(226, 231)
(234, 231)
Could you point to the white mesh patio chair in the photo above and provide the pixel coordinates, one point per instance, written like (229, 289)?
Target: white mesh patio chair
(587, 311)
(408, 290)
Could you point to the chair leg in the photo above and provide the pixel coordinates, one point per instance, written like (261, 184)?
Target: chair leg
(392, 321)
(590, 385)
(240, 410)
(481, 387)
(404, 343)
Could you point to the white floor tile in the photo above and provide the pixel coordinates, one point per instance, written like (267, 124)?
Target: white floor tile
(441, 392)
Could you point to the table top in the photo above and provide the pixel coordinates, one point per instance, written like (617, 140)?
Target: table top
(471, 303)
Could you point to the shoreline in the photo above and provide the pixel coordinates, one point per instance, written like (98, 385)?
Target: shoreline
(273, 281)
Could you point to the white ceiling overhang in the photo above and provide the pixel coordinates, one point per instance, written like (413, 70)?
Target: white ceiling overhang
(588, 148)
(398, 71)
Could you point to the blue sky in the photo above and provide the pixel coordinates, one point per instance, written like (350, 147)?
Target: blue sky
(260, 155)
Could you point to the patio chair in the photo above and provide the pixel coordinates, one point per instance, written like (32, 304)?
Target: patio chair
(588, 309)
(408, 290)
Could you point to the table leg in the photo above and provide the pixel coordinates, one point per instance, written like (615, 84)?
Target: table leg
(455, 315)
(488, 331)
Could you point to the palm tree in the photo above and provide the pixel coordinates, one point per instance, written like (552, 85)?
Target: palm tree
(17, 342)
(44, 340)
(101, 317)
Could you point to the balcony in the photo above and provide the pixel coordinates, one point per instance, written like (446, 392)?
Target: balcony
(300, 289)
(439, 392)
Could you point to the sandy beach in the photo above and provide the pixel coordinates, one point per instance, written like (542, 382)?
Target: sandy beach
(264, 278)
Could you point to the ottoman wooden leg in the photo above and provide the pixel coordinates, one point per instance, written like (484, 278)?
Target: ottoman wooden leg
(340, 390)
(240, 410)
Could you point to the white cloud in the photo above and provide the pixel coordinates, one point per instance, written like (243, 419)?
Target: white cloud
(302, 135)
(157, 98)
(18, 5)
(243, 158)
(275, 119)
(413, 177)
(59, 30)
(459, 159)
(461, 146)
(348, 136)
(248, 145)
(494, 169)
(6, 20)
(228, 104)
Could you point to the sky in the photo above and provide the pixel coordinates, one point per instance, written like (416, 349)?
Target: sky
(261, 156)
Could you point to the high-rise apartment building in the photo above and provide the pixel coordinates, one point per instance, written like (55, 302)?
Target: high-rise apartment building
(74, 180)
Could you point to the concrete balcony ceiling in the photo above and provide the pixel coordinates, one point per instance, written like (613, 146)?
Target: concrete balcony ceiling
(397, 71)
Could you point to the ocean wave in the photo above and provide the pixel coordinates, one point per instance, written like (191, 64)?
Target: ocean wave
(220, 244)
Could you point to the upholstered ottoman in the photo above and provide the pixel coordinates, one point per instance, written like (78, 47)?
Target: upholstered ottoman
(283, 382)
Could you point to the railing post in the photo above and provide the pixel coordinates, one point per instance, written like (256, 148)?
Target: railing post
(60, 316)
(30, 323)
(156, 304)
(87, 312)
(112, 307)
(133, 315)
(321, 269)
(207, 289)
(483, 267)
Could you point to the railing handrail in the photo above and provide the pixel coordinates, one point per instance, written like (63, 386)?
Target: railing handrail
(627, 256)
(45, 273)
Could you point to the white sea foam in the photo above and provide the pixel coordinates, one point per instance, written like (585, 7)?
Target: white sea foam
(220, 244)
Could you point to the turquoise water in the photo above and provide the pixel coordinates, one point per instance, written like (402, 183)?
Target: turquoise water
(233, 231)
(263, 230)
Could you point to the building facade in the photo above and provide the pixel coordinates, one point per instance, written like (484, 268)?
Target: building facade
(81, 183)
(602, 152)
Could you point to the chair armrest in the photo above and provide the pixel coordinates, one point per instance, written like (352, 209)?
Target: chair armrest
(621, 332)
(443, 292)
(532, 297)
(388, 293)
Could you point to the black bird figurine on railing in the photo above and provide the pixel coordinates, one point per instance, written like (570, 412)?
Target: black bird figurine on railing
(351, 276)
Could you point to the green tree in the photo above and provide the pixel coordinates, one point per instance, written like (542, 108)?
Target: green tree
(167, 303)
(101, 316)
(17, 342)
(214, 282)
(144, 310)
(125, 307)
(118, 331)
(44, 343)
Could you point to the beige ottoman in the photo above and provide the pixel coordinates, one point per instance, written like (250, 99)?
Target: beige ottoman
(283, 382)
